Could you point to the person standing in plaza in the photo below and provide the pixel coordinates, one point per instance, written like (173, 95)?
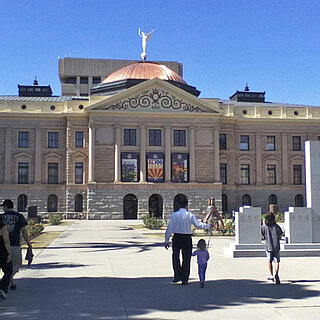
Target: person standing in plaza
(202, 259)
(180, 226)
(271, 233)
(5, 259)
(16, 224)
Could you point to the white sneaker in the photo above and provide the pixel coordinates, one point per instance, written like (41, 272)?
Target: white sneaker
(3, 295)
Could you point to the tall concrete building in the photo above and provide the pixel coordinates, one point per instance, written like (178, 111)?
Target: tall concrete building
(77, 76)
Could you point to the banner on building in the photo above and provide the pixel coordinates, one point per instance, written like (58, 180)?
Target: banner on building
(129, 167)
(155, 167)
(180, 167)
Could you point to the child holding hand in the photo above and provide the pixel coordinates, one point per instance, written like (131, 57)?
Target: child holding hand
(202, 258)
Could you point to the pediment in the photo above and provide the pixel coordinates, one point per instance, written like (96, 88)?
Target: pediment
(23, 155)
(297, 158)
(245, 158)
(152, 96)
(271, 157)
(52, 155)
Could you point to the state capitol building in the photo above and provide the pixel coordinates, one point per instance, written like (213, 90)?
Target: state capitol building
(125, 138)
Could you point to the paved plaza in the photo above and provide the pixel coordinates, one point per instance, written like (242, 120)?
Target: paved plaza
(107, 270)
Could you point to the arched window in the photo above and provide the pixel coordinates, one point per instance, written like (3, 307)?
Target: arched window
(52, 205)
(22, 203)
(130, 206)
(155, 206)
(78, 203)
(273, 199)
(298, 200)
(224, 203)
(246, 200)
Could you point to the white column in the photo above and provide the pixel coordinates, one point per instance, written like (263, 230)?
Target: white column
(91, 152)
(142, 153)
(8, 160)
(167, 148)
(216, 156)
(258, 159)
(38, 157)
(192, 154)
(117, 145)
(284, 149)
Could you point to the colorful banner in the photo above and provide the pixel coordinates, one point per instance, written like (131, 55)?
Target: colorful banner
(155, 167)
(180, 167)
(129, 167)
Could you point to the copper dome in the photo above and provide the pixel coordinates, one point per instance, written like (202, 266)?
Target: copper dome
(144, 70)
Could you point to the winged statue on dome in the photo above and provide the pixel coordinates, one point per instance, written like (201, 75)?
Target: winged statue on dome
(145, 37)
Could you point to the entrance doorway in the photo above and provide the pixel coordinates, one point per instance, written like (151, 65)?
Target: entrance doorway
(177, 199)
(155, 206)
(130, 207)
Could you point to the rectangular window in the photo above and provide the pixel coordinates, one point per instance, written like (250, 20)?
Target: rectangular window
(180, 167)
(271, 174)
(78, 172)
(23, 140)
(154, 137)
(223, 173)
(296, 143)
(72, 80)
(244, 142)
(271, 143)
(53, 139)
(222, 141)
(130, 137)
(96, 80)
(23, 172)
(244, 174)
(179, 138)
(52, 173)
(83, 80)
(297, 174)
(79, 139)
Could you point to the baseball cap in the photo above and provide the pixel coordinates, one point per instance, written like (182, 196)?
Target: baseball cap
(8, 203)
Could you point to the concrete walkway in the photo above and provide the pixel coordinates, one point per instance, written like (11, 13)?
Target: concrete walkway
(104, 270)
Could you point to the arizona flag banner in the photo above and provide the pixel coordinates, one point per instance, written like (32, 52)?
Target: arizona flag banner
(155, 167)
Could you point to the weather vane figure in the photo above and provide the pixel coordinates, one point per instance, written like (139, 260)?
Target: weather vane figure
(145, 37)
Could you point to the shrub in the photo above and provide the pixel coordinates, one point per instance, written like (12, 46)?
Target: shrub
(152, 222)
(34, 228)
(278, 216)
(55, 218)
(228, 229)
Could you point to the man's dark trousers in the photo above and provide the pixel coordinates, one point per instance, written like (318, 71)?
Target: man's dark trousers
(183, 243)
(7, 273)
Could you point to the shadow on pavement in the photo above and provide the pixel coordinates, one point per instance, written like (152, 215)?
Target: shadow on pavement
(121, 298)
(55, 265)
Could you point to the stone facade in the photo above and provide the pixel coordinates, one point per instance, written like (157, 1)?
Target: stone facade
(270, 168)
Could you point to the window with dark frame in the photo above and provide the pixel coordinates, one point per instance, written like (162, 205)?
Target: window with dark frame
(298, 200)
(224, 203)
(297, 174)
(223, 173)
(296, 143)
(52, 203)
(22, 203)
(130, 137)
(96, 80)
(222, 141)
(78, 168)
(154, 137)
(179, 138)
(244, 142)
(271, 174)
(52, 173)
(244, 174)
(271, 143)
(79, 139)
(23, 172)
(23, 139)
(78, 203)
(53, 139)
(84, 80)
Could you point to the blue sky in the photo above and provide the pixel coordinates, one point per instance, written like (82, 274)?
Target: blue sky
(272, 45)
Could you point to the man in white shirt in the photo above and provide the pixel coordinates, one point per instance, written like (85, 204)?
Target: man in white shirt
(180, 225)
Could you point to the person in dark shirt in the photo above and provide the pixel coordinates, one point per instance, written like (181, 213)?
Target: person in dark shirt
(271, 233)
(5, 259)
(16, 224)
